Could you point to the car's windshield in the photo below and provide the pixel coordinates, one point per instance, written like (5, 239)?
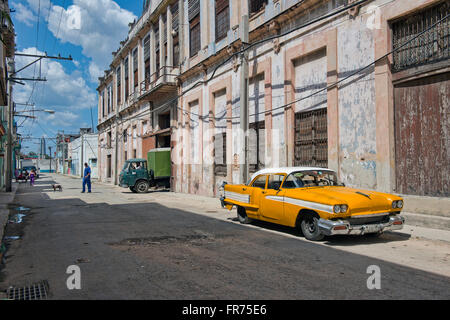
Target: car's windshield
(311, 178)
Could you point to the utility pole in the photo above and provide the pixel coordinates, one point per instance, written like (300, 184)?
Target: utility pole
(63, 151)
(50, 149)
(244, 101)
(82, 154)
(8, 182)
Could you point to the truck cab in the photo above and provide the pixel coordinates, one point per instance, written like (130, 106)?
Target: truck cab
(135, 175)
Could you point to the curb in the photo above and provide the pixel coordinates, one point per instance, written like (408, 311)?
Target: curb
(427, 220)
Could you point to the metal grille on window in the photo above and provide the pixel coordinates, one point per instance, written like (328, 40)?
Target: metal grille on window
(220, 154)
(257, 5)
(222, 19)
(431, 46)
(311, 139)
(193, 9)
(119, 78)
(257, 144)
(164, 22)
(174, 11)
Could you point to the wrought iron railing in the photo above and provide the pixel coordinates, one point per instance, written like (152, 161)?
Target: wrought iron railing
(164, 75)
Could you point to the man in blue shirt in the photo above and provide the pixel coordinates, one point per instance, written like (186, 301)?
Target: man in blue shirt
(86, 178)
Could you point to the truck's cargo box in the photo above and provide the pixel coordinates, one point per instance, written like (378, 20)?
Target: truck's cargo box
(159, 161)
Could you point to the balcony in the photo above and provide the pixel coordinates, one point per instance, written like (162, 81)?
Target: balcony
(159, 84)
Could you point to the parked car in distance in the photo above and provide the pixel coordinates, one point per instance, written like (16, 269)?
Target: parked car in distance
(314, 201)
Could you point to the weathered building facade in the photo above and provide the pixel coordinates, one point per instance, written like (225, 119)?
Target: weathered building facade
(361, 87)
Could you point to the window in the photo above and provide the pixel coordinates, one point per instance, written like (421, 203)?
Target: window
(118, 75)
(110, 98)
(103, 103)
(144, 127)
(126, 78)
(135, 68)
(313, 178)
(157, 62)
(432, 46)
(147, 57)
(257, 146)
(176, 45)
(108, 141)
(125, 135)
(126, 156)
(275, 181)
(194, 27)
(134, 153)
(220, 154)
(260, 182)
(257, 5)
(222, 19)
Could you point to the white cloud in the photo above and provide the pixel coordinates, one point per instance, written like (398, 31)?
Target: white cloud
(103, 24)
(25, 15)
(63, 91)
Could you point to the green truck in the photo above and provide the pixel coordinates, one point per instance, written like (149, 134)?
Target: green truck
(140, 174)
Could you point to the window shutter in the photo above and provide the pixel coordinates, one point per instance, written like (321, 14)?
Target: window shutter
(194, 9)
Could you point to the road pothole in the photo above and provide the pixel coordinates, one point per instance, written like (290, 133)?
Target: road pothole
(191, 239)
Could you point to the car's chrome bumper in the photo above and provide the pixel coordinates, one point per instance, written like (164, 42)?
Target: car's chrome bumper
(333, 227)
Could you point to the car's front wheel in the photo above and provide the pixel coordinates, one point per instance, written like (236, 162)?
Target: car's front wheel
(141, 187)
(310, 228)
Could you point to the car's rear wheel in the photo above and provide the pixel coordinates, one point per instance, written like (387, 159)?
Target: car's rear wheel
(242, 216)
(310, 228)
(141, 187)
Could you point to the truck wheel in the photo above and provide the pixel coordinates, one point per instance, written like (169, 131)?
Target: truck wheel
(133, 189)
(242, 216)
(141, 187)
(310, 228)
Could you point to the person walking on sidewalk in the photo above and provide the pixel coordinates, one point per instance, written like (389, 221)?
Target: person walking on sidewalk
(32, 175)
(86, 178)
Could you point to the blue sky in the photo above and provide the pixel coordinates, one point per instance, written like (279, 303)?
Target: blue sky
(88, 30)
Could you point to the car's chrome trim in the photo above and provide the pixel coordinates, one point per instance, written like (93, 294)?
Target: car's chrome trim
(327, 227)
(302, 203)
(369, 215)
(245, 198)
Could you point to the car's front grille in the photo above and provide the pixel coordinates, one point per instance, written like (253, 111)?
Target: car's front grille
(368, 220)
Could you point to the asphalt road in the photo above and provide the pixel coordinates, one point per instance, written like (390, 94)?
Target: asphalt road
(128, 249)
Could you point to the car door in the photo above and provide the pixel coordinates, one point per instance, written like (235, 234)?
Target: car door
(258, 186)
(272, 200)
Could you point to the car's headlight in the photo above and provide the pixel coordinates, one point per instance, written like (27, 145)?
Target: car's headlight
(337, 208)
(344, 208)
(397, 204)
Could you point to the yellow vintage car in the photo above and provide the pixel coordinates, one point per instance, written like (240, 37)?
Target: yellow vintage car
(314, 201)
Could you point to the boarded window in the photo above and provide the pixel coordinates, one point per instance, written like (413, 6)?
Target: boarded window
(257, 5)
(194, 27)
(222, 19)
(431, 46)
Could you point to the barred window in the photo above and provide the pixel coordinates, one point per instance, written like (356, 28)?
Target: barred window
(222, 19)
(431, 46)
(257, 5)
(194, 27)
(220, 154)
